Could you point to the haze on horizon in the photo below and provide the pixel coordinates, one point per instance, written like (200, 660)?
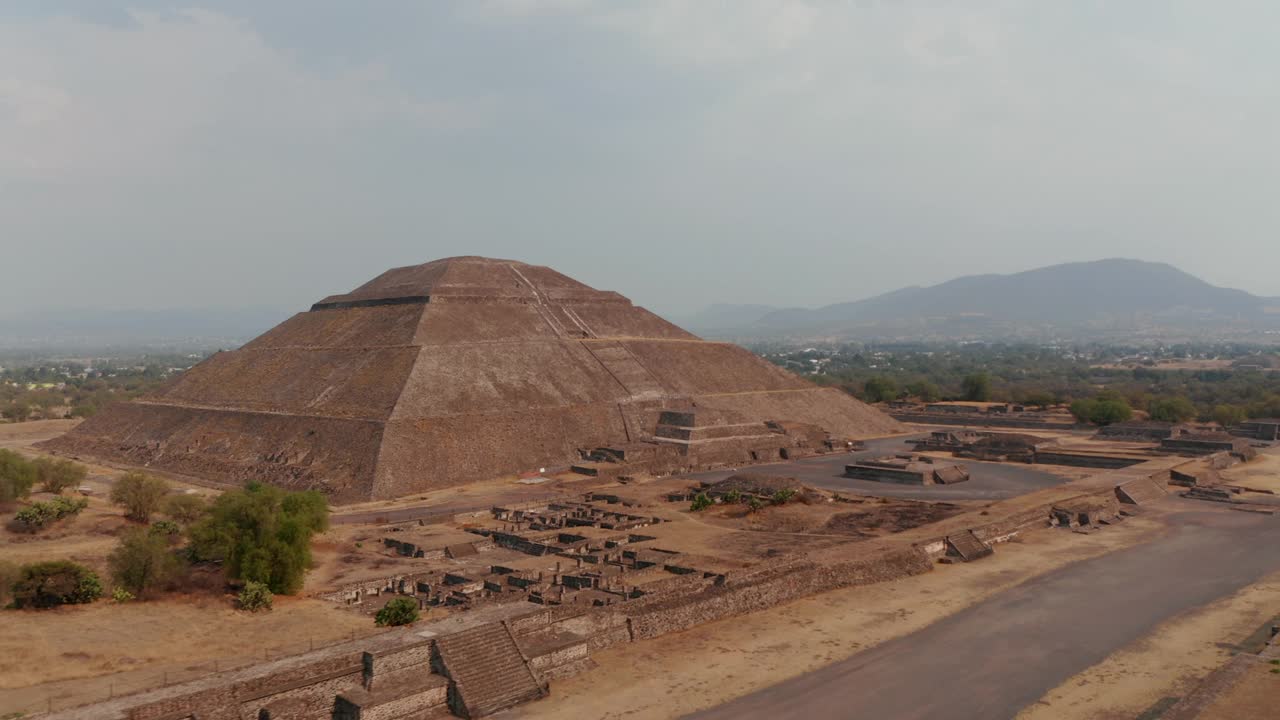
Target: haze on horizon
(243, 154)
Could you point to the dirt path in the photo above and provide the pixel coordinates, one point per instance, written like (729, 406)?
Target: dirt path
(1000, 656)
(711, 664)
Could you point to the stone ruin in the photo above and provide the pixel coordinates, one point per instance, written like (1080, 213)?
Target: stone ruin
(466, 369)
(907, 469)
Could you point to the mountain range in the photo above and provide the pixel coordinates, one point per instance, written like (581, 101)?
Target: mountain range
(1099, 299)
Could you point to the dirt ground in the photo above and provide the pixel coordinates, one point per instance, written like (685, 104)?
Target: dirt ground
(708, 665)
(1262, 473)
(1167, 663)
(86, 652)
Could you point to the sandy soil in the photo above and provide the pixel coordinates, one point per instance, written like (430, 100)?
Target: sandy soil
(142, 644)
(684, 672)
(1262, 473)
(1167, 663)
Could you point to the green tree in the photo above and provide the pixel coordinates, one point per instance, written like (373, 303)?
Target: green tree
(17, 475)
(398, 611)
(184, 508)
(143, 562)
(262, 534)
(58, 582)
(139, 494)
(1229, 415)
(880, 389)
(976, 387)
(1039, 398)
(924, 391)
(1171, 409)
(1106, 412)
(56, 475)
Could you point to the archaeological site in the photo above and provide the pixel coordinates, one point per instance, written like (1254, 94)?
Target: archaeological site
(567, 488)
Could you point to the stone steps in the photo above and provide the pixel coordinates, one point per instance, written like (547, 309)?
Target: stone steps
(1139, 492)
(626, 370)
(968, 546)
(488, 672)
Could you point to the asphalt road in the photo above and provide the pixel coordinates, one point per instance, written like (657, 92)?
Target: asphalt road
(987, 481)
(995, 658)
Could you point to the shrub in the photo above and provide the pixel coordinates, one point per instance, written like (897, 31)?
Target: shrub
(732, 496)
(755, 504)
(17, 475)
(120, 595)
(165, 529)
(139, 494)
(39, 515)
(701, 502)
(58, 582)
(261, 533)
(879, 389)
(143, 561)
(184, 509)
(255, 596)
(783, 496)
(399, 611)
(57, 475)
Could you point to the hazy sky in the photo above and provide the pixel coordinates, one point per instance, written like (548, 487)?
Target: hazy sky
(253, 153)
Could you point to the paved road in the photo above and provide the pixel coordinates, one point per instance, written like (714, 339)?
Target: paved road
(997, 657)
(987, 481)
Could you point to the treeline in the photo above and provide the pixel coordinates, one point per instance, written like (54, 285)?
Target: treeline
(74, 390)
(258, 538)
(1043, 377)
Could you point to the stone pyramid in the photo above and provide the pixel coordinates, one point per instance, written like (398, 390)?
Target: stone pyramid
(435, 375)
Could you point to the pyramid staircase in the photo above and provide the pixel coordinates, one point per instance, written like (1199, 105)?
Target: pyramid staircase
(488, 673)
(1139, 492)
(968, 546)
(628, 371)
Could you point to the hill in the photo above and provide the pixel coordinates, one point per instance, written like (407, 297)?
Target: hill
(1074, 299)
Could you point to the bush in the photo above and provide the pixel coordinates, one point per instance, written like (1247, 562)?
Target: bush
(120, 595)
(59, 582)
(165, 528)
(783, 496)
(399, 611)
(261, 533)
(733, 496)
(57, 475)
(755, 504)
(139, 494)
(255, 596)
(39, 515)
(701, 502)
(17, 475)
(184, 509)
(143, 562)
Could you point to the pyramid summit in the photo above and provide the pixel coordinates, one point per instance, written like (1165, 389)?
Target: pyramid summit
(459, 370)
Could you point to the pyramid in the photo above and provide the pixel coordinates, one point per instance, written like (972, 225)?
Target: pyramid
(436, 375)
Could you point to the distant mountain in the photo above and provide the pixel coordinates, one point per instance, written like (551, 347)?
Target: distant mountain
(100, 329)
(1105, 297)
(722, 316)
